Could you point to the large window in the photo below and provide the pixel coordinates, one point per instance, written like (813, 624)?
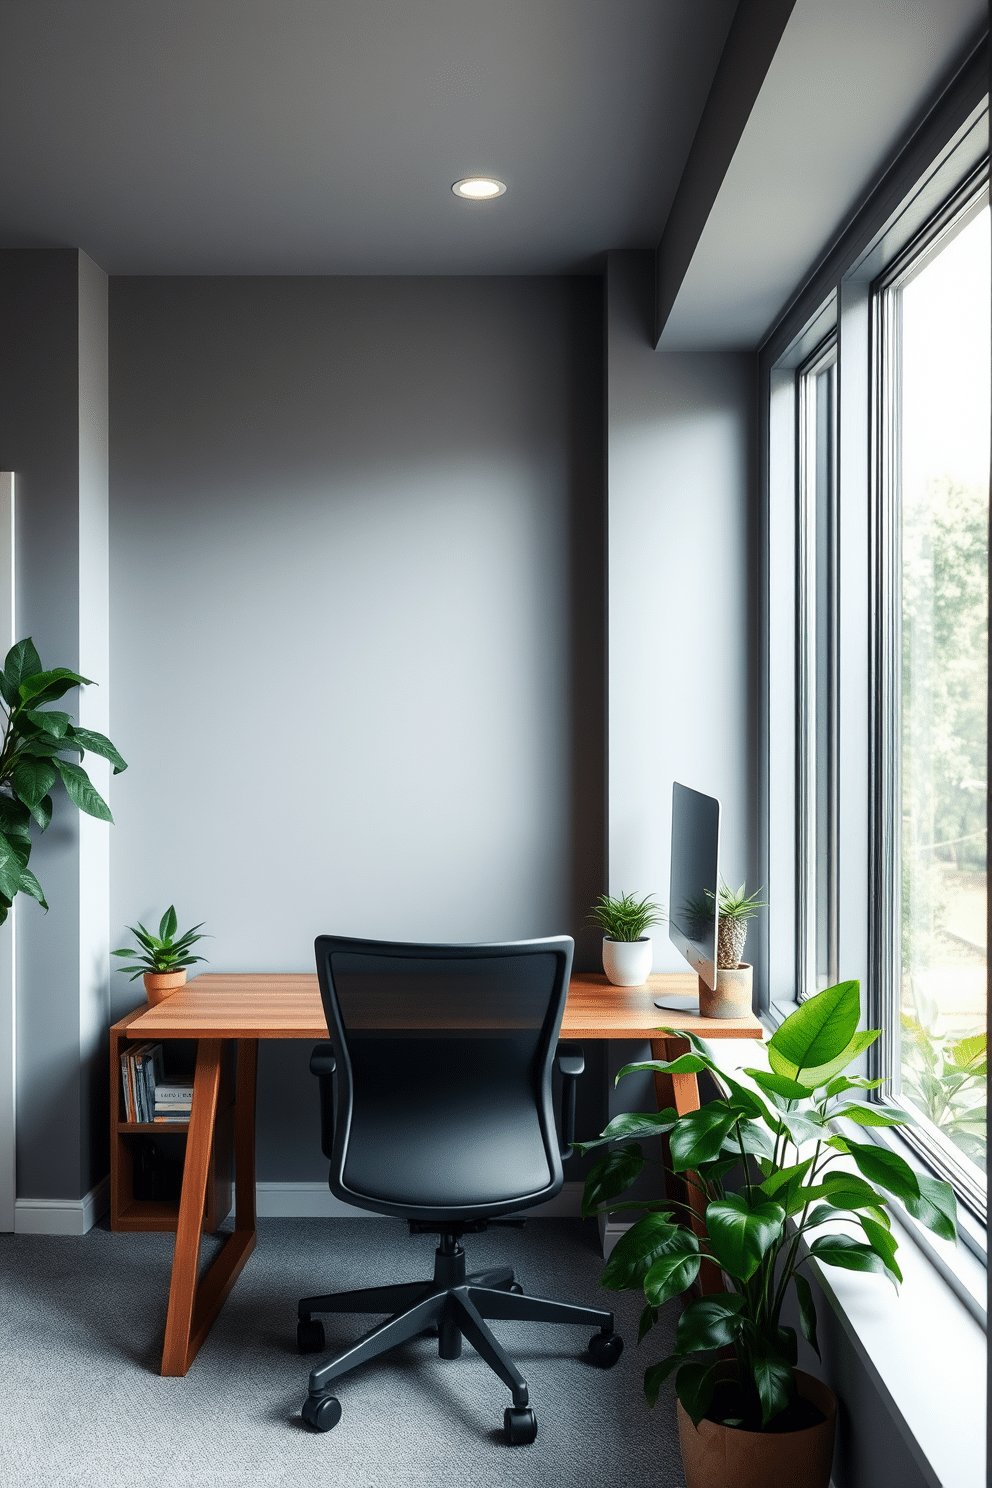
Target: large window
(932, 320)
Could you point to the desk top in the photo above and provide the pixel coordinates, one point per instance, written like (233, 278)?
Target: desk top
(286, 1005)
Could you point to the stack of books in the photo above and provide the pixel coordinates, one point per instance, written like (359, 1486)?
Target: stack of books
(173, 1100)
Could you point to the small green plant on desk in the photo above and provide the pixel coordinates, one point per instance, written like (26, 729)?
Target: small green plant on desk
(736, 908)
(779, 1141)
(624, 918)
(162, 953)
(35, 739)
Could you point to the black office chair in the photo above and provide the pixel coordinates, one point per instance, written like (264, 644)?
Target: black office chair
(436, 1107)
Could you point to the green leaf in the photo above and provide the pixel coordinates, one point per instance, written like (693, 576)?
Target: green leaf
(41, 746)
(848, 1191)
(636, 1252)
(817, 1032)
(699, 1135)
(851, 1082)
(636, 1124)
(168, 924)
(786, 1177)
(31, 886)
(883, 1243)
(742, 1099)
(11, 868)
(823, 1073)
(709, 1323)
(673, 1272)
(611, 1176)
(852, 1255)
(685, 1064)
(864, 1115)
(694, 1385)
(81, 792)
(753, 1138)
(22, 661)
(741, 1234)
(48, 687)
(885, 1168)
(50, 722)
(777, 1084)
(656, 1374)
(807, 1311)
(98, 744)
(15, 818)
(936, 1208)
(32, 779)
(648, 1318)
(802, 1126)
(774, 1378)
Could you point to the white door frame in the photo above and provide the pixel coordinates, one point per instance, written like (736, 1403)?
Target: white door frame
(8, 959)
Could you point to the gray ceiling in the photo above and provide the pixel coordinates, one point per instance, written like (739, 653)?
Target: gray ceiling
(323, 136)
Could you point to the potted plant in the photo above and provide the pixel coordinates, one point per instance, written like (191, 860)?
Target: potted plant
(783, 1185)
(733, 991)
(35, 739)
(626, 949)
(161, 959)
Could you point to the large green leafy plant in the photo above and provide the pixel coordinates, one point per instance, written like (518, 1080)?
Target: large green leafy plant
(802, 1189)
(38, 744)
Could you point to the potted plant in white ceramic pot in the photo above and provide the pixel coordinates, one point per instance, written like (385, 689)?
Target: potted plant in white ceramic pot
(783, 1186)
(161, 960)
(627, 950)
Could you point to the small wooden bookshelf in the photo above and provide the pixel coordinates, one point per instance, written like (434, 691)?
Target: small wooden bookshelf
(134, 1214)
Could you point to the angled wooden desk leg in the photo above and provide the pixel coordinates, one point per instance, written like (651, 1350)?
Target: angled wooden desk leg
(193, 1307)
(682, 1092)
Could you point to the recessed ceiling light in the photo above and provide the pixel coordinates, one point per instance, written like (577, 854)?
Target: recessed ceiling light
(478, 188)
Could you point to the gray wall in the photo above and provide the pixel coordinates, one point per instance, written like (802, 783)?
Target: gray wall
(683, 639)
(357, 621)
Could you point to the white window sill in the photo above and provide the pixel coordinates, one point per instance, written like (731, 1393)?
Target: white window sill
(923, 1347)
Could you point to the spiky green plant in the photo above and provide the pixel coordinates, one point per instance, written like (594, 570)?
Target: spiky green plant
(161, 952)
(736, 908)
(622, 917)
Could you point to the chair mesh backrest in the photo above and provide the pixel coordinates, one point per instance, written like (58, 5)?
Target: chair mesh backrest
(440, 1043)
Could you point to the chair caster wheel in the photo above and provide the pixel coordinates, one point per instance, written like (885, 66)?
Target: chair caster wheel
(520, 1426)
(310, 1336)
(516, 1289)
(605, 1349)
(321, 1412)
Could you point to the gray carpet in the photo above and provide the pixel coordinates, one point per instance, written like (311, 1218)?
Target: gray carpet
(81, 1401)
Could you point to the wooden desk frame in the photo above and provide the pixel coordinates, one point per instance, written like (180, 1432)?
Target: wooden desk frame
(217, 1009)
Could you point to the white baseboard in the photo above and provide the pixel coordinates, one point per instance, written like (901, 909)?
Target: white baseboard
(62, 1216)
(610, 1231)
(315, 1201)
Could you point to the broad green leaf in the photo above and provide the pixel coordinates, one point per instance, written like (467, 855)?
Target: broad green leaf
(168, 923)
(49, 721)
(656, 1374)
(848, 1191)
(22, 661)
(851, 1255)
(635, 1124)
(11, 868)
(777, 1084)
(741, 1234)
(935, 1207)
(885, 1168)
(42, 813)
(694, 1385)
(648, 1318)
(709, 1322)
(699, 1135)
(864, 1115)
(850, 1082)
(823, 1073)
(685, 1064)
(788, 1345)
(802, 1126)
(81, 792)
(98, 744)
(636, 1252)
(41, 746)
(31, 886)
(674, 1272)
(807, 1311)
(967, 1053)
(48, 687)
(32, 780)
(883, 1242)
(15, 818)
(785, 1176)
(817, 1032)
(773, 1377)
(611, 1176)
(745, 1100)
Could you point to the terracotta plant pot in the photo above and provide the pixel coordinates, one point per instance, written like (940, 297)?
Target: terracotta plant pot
(725, 1457)
(161, 984)
(731, 997)
(627, 963)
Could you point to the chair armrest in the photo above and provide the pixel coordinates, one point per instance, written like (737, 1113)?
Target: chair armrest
(322, 1060)
(571, 1063)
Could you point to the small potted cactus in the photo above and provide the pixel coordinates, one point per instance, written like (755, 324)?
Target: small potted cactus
(734, 976)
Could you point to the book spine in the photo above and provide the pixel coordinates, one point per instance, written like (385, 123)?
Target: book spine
(125, 1086)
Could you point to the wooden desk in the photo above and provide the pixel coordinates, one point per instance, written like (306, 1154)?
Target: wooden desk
(215, 1009)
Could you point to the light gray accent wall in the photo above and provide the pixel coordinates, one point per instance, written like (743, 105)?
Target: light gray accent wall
(357, 621)
(682, 608)
(53, 435)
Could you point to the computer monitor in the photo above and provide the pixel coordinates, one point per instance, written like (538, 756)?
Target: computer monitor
(693, 901)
